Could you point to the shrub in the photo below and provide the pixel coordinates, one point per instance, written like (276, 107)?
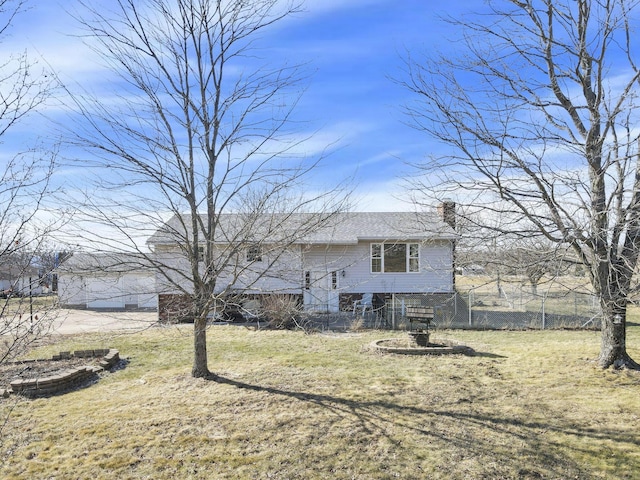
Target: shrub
(282, 311)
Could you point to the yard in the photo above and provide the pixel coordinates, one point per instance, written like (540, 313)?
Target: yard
(530, 404)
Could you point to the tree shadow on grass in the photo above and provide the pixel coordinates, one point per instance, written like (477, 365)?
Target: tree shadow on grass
(537, 448)
(487, 355)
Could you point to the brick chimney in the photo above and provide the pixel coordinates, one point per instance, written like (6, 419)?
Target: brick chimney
(447, 212)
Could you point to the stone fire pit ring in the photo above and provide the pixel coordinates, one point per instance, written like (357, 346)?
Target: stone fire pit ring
(402, 346)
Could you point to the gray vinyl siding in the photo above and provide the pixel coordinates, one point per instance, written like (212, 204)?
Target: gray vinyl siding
(279, 272)
(352, 264)
(435, 274)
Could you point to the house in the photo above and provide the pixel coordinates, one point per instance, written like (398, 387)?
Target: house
(17, 279)
(407, 257)
(112, 281)
(327, 264)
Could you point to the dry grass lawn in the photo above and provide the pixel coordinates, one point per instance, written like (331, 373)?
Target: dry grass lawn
(288, 405)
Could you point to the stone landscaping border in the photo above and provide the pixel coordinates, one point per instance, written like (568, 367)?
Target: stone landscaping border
(64, 380)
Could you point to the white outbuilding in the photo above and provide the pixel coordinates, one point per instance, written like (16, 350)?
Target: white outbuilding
(110, 281)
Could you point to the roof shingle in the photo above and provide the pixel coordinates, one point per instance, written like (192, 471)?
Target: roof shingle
(341, 228)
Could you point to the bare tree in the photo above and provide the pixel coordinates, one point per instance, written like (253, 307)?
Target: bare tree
(537, 114)
(532, 259)
(202, 127)
(536, 260)
(25, 174)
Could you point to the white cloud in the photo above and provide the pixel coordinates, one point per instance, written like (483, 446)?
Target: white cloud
(383, 196)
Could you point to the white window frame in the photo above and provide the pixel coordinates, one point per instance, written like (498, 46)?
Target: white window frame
(254, 254)
(376, 252)
(334, 280)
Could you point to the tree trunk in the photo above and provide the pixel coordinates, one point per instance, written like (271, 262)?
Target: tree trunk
(200, 368)
(613, 350)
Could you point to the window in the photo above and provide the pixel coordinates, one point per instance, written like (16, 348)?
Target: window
(395, 257)
(201, 253)
(334, 280)
(376, 257)
(254, 254)
(414, 257)
(307, 280)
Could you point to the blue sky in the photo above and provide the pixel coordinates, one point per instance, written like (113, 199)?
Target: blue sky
(353, 49)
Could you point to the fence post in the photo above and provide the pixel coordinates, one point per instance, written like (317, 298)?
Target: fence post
(455, 304)
(544, 319)
(470, 305)
(393, 311)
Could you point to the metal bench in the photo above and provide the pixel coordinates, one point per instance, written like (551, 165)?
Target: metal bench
(422, 316)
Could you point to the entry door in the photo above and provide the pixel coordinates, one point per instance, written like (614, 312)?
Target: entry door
(322, 294)
(333, 292)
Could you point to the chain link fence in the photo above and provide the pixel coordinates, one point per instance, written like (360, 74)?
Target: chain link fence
(482, 310)
(524, 310)
(492, 305)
